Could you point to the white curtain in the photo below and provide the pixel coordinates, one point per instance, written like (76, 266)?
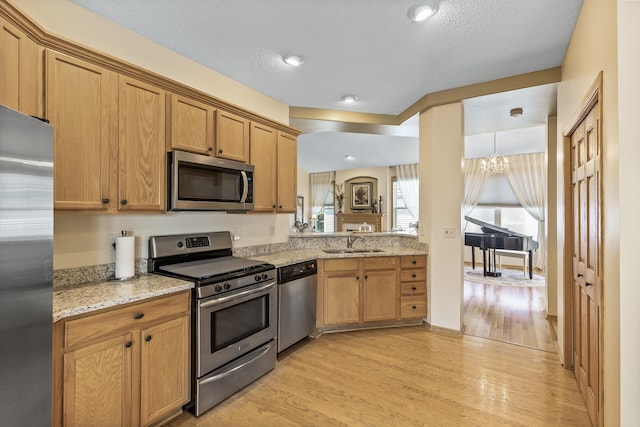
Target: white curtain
(409, 187)
(320, 187)
(526, 175)
(475, 183)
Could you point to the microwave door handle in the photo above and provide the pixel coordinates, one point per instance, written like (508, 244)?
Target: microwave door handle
(245, 186)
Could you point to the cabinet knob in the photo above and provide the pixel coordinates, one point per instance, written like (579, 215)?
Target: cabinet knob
(148, 338)
(138, 316)
(123, 201)
(273, 206)
(414, 262)
(280, 207)
(413, 275)
(366, 277)
(209, 148)
(357, 277)
(128, 344)
(413, 288)
(105, 201)
(413, 307)
(220, 151)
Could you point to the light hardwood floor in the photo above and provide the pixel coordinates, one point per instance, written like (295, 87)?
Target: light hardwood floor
(405, 376)
(510, 314)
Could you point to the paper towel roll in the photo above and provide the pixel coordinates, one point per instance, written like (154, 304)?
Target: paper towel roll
(125, 257)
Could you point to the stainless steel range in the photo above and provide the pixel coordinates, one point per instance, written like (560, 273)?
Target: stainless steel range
(234, 325)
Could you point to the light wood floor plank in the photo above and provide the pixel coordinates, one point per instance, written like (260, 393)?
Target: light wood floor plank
(405, 377)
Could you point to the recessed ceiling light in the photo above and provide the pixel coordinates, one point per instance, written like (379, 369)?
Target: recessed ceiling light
(293, 60)
(349, 99)
(422, 11)
(515, 112)
(348, 157)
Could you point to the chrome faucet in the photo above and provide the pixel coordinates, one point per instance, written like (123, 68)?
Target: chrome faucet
(350, 239)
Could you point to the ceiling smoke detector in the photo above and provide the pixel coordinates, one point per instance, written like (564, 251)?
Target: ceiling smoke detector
(515, 112)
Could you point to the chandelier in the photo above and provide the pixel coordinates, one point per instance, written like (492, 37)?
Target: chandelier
(494, 164)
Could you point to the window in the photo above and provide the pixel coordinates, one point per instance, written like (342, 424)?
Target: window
(515, 218)
(402, 219)
(326, 217)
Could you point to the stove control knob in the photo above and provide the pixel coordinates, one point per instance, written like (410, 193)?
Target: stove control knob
(227, 286)
(264, 276)
(257, 278)
(218, 288)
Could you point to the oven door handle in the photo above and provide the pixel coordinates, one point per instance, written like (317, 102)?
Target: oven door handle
(238, 295)
(229, 370)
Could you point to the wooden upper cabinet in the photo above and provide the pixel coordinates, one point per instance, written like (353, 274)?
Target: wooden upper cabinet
(21, 71)
(287, 172)
(141, 146)
(82, 108)
(232, 137)
(263, 156)
(190, 126)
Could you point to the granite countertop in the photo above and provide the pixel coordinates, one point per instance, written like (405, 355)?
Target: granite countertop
(84, 298)
(280, 259)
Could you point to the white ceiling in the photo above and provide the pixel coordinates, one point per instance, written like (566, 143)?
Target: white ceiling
(364, 47)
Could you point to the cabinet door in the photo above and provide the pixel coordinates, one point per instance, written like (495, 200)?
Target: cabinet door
(341, 298)
(380, 295)
(232, 137)
(191, 125)
(21, 71)
(81, 107)
(263, 156)
(141, 146)
(164, 369)
(97, 384)
(287, 172)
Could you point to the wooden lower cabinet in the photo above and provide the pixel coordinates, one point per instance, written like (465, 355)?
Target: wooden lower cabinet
(413, 286)
(358, 290)
(123, 367)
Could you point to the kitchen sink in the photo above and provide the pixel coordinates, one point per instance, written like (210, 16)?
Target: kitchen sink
(351, 251)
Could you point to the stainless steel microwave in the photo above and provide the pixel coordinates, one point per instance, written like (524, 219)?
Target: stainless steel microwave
(203, 183)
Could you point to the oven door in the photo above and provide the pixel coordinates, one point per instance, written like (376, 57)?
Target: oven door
(231, 325)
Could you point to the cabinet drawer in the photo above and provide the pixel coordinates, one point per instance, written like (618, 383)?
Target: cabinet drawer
(413, 261)
(131, 317)
(412, 288)
(413, 275)
(413, 306)
(341, 264)
(380, 263)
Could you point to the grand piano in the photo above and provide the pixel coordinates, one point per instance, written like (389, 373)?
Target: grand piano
(494, 237)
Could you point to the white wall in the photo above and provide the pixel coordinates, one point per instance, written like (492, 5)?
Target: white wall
(552, 218)
(441, 196)
(629, 129)
(305, 191)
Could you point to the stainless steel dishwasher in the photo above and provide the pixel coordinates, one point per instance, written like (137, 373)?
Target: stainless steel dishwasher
(297, 286)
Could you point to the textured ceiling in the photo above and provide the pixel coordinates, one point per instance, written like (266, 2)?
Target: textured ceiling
(364, 47)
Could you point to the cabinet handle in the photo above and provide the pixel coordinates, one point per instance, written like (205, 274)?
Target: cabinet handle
(413, 288)
(220, 151)
(357, 277)
(209, 148)
(414, 262)
(413, 307)
(273, 206)
(413, 275)
(280, 207)
(128, 344)
(105, 201)
(148, 338)
(366, 277)
(123, 201)
(138, 316)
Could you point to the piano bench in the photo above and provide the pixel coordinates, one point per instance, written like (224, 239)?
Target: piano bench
(524, 255)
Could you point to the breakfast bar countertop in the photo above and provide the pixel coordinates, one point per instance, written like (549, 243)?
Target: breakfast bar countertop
(280, 259)
(87, 297)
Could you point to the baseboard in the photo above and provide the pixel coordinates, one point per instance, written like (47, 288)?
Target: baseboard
(445, 331)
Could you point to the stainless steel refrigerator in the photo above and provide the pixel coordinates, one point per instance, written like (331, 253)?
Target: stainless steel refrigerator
(26, 269)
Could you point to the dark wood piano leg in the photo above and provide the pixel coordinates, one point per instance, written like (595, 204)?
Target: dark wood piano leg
(493, 272)
(484, 262)
(473, 257)
(530, 264)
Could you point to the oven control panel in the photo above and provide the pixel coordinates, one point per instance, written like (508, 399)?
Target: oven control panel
(197, 242)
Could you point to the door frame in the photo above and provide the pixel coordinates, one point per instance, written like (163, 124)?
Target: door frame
(593, 96)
